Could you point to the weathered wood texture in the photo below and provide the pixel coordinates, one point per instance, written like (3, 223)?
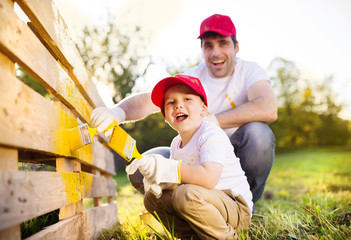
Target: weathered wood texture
(34, 129)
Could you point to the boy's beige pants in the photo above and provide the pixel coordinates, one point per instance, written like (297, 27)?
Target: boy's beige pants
(200, 213)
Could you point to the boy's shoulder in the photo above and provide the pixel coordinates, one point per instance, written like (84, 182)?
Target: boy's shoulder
(211, 130)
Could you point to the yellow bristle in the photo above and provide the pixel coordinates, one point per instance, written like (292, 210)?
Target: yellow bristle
(83, 134)
(75, 140)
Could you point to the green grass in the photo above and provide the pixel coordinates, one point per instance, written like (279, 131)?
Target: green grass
(307, 196)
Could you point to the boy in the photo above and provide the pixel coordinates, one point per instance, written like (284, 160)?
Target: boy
(213, 200)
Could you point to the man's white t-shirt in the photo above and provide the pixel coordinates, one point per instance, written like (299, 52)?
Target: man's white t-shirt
(210, 144)
(227, 93)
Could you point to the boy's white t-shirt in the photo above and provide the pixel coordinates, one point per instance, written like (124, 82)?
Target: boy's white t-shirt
(227, 93)
(210, 144)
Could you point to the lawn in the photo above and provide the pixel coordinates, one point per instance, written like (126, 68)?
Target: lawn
(307, 196)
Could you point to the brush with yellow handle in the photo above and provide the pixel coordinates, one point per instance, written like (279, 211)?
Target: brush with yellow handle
(120, 141)
(83, 135)
(123, 144)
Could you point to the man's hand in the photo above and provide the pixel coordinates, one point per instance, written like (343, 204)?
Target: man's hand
(156, 169)
(102, 117)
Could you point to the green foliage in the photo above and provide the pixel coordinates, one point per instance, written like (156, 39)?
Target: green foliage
(307, 196)
(307, 113)
(35, 225)
(110, 58)
(31, 82)
(151, 132)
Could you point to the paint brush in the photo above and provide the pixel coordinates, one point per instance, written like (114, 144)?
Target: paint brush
(123, 144)
(83, 135)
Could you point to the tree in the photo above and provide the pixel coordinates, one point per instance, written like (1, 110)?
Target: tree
(110, 58)
(31, 82)
(113, 57)
(307, 113)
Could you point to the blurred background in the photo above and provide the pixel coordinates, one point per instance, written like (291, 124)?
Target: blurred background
(129, 45)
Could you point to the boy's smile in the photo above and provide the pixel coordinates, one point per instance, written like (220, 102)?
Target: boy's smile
(181, 116)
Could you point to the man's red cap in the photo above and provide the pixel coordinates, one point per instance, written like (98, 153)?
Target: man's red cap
(159, 91)
(218, 23)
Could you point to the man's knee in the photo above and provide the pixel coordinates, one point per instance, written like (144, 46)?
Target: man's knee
(136, 179)
(149, 201)
(255, 135)
(164, 151)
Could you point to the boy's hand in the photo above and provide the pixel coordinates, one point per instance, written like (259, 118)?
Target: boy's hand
(154, 188)
(157, 169)
(102, 117)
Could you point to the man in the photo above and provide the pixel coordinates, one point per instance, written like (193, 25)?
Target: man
(240, 100)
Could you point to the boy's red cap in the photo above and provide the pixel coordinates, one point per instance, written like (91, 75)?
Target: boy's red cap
(159, 91)
(218, 23)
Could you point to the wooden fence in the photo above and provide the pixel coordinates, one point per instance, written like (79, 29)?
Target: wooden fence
(33, 129)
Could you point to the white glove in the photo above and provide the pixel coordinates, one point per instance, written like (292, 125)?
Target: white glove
(211, 118)
(157, 169)
(154, 188)
(102, 117)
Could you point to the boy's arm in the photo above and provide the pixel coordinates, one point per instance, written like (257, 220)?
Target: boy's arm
(206, 175)
(157, 169)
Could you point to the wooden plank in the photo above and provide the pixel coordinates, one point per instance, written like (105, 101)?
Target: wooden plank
(27, 120)
(68, 229)
(53, 30)
(93, 186)
(97, 200)
(9, 162)
(25, 195)
(103, 159)
(69, 165)
(8, 159)
(71, 210)
(20, 44)
(64, 165)
(98, 218)
(11, 233)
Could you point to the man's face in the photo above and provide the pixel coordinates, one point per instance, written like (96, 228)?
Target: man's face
(219, 54)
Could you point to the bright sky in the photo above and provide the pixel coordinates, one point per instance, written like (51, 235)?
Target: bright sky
(316, 35)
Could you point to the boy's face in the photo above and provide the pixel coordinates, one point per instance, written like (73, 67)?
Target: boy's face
(219, 54)
(184, 109)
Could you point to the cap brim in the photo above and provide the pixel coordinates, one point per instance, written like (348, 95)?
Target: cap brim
(221, 32)
(161, 87)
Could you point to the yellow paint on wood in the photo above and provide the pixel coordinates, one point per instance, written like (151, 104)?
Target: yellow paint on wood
(86, 183)
(72, 186)
(61, 122)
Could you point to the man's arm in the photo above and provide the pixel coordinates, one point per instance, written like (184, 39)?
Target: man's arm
(132, 108)
(261, 107)
(138, 106)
